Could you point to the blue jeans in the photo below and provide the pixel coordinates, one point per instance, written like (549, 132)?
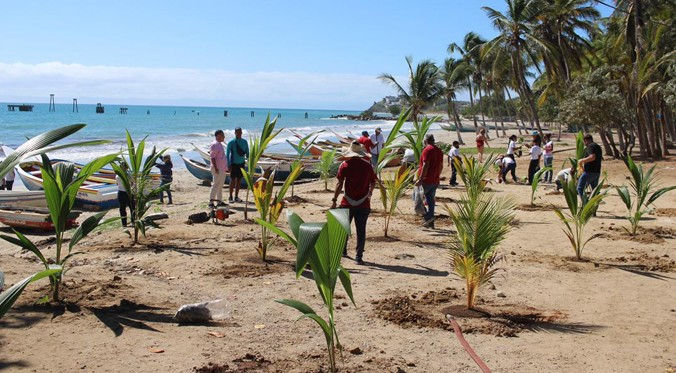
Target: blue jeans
(430, 191)
(587, 179)
(548, 163)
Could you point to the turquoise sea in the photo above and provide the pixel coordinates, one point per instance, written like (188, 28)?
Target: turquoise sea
(172, 127)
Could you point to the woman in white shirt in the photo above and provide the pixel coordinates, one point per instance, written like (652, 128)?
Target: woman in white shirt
(534, 165)
(548, 156)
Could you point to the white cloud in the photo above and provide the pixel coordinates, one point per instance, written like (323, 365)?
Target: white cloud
(173, 86)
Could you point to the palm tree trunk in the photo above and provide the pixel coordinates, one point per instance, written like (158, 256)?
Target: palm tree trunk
(451, 107)
(517, 117)
(481, 107)
(471, 103)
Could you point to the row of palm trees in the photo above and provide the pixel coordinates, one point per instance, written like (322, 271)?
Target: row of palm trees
(542, 47)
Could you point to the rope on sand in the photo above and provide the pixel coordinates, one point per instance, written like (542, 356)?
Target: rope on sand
(468, 348)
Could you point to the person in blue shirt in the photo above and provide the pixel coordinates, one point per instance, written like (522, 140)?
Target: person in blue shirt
(237, 153)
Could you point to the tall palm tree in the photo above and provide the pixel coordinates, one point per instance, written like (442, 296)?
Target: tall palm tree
(454, 74)
(424, 85)
(471, 54)
(518, 40)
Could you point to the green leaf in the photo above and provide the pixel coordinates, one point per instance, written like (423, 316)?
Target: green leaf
(25, 244)
(623, 192)
(659, 193)
(277, 231)
(85, 228)
(300, 306)
(308, 234)
(10, 296)
(36, 143)
(294, 222)
(344, 276)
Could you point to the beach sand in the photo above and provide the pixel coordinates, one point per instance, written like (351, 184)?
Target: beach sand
(613, 312)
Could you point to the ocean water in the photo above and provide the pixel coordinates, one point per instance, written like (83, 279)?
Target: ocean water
(172, 127)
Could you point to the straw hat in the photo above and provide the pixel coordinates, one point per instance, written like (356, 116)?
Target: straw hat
(355, 150)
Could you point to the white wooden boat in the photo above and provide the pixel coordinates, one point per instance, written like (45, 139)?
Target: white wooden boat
(35, 218)
(96, 193)
(22, 198)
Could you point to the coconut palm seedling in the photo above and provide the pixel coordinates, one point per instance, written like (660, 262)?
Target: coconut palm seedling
(481, 222)
(643, 185)
(578, 215)
(61, 184)
(536, 183)
(135, 177)
(325, 167)
(257, 147)
(392, 187)
(390, 148)
(320, 245)
(39, 144)
(474, 174)
(270, 204)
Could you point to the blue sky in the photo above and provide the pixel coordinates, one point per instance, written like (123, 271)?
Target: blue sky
(253, 53)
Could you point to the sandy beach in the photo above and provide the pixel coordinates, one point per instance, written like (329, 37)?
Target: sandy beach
(613, 312)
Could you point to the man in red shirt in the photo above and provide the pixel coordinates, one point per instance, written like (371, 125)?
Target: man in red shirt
(429, 169)
(365, 140)
(356, 174)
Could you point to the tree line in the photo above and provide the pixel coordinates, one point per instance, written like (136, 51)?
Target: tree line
(560, 61)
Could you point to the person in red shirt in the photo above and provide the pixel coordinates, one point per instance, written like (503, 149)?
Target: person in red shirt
(429, 169)
(356, 175)
(365, 140)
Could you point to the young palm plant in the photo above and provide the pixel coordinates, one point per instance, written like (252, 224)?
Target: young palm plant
(138, 184)
(270, 206)
(320, 245)
(36, 145)
(642, 183)
(473, 173)
(392, 187)
(257, 147)
(536, 183)
(482, 222)
(325, 167)
(578, 216)
(61, 185)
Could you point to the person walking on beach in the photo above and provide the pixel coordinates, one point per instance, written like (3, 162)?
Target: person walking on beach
(166, 176)
(237, 153)
(123, 197)
(429, 169)
(481, 141)
(591, 164)
(358, 179)
(8, 180)
(453, 155)
(366, 142)
(219, 167)
(378, 141)
(534, 165)
(548, 156)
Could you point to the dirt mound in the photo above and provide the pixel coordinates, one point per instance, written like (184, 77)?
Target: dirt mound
(642, 262)
(670, 212)
(294, 200)
(428, 310)
(247, 363)
(529, 207)
(253, 267)
(644, 235)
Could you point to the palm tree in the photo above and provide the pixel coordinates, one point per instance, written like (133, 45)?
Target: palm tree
(454, 74)
(518, 40)
(424, 85)
(471, 54)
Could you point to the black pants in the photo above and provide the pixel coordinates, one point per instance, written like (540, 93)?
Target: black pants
(533, 167)
(125, 202)
(509, 168)
(8, 185)
(454, 174)
(360, 216)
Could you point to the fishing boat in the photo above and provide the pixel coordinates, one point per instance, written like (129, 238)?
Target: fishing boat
(36, 218)
(197, 169)
(21, 198)
(96, 193)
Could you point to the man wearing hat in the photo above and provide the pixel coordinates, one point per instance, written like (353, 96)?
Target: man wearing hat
(237, 152)
(378, 141)
(356, 175)
(429, 170)
(365, 141)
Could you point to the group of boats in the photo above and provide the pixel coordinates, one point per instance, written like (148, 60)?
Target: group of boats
(309, 155)
(28, 209)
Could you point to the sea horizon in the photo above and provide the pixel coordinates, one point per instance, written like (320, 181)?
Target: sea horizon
(176, 128)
